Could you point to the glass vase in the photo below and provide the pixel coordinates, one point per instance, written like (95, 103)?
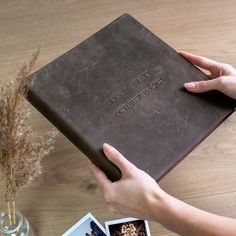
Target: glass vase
(20, 228)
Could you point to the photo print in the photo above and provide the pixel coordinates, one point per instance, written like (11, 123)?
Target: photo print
(87, 226)
(127, 227)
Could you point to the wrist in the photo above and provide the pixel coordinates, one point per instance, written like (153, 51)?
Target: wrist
(158, 202)
(176, 215)
(164, 207)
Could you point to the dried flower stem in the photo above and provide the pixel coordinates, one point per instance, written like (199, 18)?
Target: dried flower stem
(9, 213)
(11, 206)
(14, 211)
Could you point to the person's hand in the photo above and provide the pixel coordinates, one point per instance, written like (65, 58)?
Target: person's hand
(223, 76)
(134, 194)
(137, 194)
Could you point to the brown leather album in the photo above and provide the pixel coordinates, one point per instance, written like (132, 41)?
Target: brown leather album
(124, 86)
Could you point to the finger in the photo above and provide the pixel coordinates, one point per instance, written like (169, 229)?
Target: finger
(117, 158)
(204, 86)
(213, 66)
(100, 176)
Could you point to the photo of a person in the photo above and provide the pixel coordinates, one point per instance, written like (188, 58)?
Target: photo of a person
(96, 231)
(87, 226)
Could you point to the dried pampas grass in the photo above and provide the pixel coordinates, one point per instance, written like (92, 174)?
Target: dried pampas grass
(21, 150)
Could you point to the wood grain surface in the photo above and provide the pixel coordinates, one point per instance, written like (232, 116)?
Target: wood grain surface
(66, 189)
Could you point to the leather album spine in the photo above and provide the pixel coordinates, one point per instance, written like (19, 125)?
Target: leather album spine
(96, 156)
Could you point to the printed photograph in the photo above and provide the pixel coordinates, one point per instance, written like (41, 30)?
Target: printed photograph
(87, 226)
(127, 227)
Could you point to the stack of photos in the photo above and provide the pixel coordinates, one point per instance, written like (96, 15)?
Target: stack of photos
(89, 226)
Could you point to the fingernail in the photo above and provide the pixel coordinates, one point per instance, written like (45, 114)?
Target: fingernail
(107, 148)
(190, 85)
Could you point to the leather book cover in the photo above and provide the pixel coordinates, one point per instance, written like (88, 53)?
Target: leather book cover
(124, 86)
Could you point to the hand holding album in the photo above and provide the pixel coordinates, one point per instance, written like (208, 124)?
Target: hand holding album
(222, 76)
(132, 194)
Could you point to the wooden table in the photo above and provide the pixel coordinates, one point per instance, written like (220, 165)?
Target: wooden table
(66, 190)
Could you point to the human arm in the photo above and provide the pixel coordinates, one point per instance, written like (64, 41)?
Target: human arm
(137, 194)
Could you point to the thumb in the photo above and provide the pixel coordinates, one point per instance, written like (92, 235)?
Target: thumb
(117, 158)
(205, 85)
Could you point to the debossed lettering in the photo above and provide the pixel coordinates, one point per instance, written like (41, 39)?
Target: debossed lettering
(144, 76)
(129, 105)
(123, 92)
(137, 98)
